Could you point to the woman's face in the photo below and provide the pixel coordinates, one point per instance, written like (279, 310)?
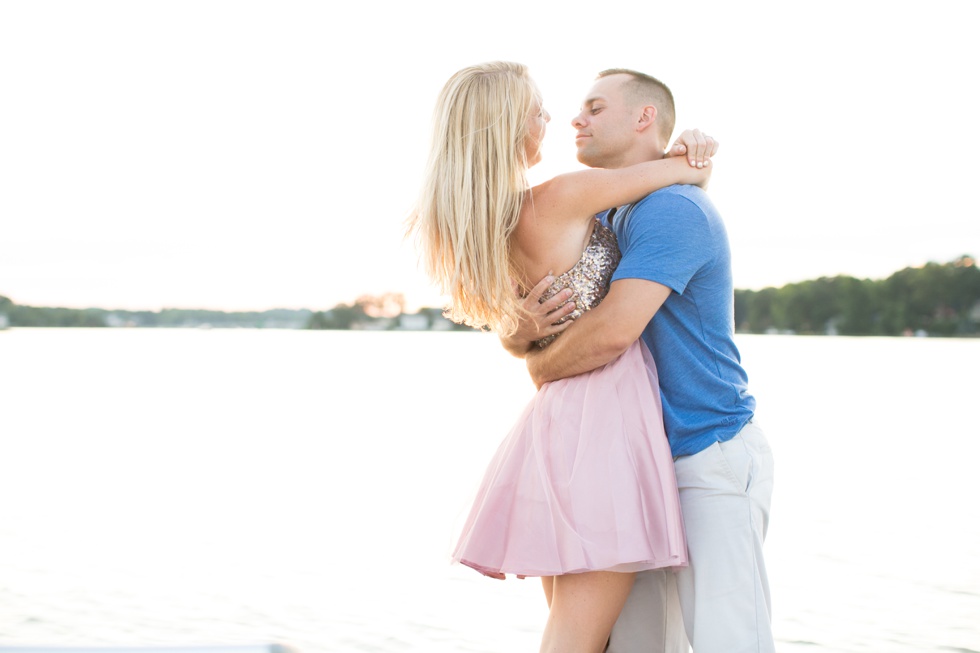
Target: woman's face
(536, 126)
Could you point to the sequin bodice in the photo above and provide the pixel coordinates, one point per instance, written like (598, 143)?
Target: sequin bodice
(589, 278)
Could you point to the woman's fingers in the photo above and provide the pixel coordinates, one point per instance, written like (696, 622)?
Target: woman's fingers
(684, 145)
(712, 146)
(698, 146)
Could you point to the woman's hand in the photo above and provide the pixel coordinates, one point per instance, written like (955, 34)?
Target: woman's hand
(698, 146)
(537, 320)
(690, 174)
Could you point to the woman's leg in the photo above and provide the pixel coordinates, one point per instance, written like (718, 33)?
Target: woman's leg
(584, 608)
(548, 584)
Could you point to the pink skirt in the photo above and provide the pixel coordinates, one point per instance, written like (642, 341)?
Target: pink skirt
(583, 482)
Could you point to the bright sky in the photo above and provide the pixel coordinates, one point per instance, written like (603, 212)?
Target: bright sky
(251, 155)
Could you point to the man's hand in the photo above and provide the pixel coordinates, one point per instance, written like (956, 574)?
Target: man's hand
(698, 146)
(537, 320)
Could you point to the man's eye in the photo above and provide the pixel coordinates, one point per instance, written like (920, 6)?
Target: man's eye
(595, 110)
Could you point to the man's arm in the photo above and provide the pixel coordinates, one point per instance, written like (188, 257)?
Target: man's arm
(602, 333)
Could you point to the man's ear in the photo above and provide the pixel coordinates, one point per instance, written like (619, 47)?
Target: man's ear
(647, 118)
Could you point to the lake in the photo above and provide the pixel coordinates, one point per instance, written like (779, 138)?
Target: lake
(218, 487)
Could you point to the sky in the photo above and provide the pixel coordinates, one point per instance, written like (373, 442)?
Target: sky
(242, 155)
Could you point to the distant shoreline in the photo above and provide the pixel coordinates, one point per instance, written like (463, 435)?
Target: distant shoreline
(932, 300)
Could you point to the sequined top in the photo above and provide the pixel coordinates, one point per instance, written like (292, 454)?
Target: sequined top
(589, 278)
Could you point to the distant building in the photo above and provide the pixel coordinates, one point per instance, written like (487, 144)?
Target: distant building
(427, 319)
(373, 324)
(441, 323)
(975, 313)
(832, 327)
(413, 322)
(116, 321)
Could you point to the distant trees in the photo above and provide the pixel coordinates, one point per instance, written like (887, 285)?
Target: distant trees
(178, 317)
(939, 299)
(35, 316)
(51, 317)
(341, 316)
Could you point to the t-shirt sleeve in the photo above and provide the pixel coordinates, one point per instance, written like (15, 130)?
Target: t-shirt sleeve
(666, 239)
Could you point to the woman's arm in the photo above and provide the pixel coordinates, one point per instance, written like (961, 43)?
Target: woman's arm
(591, 191)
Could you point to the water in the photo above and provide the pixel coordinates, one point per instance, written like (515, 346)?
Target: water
(177, 487)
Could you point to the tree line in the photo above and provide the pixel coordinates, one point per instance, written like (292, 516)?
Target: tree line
(37, 316)
(937, 299)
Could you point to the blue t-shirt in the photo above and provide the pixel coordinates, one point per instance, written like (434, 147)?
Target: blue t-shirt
(676, 238)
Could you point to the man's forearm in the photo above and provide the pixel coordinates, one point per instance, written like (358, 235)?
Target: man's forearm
(517, 347)
(578, 350)
(602, 334)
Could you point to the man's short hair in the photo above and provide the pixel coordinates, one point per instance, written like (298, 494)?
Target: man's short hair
(645, 89)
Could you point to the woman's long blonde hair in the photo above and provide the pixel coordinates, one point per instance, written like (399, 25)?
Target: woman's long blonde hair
(473, 191)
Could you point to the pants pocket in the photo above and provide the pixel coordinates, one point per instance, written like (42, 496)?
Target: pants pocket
(736, 459)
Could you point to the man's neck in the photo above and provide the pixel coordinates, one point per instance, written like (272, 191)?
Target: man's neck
(639, 156)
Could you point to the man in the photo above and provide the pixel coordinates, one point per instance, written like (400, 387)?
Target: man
(674, 289)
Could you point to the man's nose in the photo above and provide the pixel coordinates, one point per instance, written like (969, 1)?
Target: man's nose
(578, 122)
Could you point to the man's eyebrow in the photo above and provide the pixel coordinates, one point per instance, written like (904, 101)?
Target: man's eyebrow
(592, 100)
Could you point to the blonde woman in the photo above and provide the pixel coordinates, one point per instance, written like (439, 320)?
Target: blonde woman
(582, 491)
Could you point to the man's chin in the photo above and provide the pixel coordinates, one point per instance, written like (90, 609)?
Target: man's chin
(585, 158)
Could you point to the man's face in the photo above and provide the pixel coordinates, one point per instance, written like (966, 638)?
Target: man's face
(605, 127)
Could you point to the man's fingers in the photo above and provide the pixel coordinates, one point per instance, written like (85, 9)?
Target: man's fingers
(539, 288)
(565, 309)
(540, 319)
(552, 304)
(557, 328)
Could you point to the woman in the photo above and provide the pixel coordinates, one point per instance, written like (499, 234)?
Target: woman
(581, 492)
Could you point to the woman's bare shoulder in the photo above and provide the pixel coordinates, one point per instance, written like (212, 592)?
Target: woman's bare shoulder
(555, 202)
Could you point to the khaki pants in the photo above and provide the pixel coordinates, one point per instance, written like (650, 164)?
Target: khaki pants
(651, 619)
(725, 493)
